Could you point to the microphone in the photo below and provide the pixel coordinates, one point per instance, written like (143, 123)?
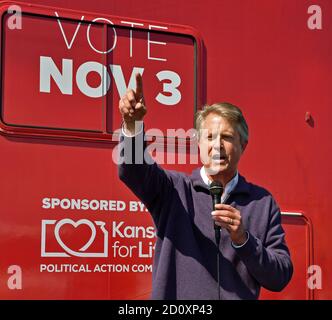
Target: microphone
(216, 190)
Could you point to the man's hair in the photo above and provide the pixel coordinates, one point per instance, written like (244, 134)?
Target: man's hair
(228, 111)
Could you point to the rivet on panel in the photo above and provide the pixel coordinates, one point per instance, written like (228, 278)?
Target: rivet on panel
(309, 119)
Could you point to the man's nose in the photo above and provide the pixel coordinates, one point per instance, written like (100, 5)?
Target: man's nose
(218, 144)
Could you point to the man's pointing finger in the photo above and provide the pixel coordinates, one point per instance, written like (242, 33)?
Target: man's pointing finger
(139, 87)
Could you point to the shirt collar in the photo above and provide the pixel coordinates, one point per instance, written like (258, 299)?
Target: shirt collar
(230, 186)
(242, 187)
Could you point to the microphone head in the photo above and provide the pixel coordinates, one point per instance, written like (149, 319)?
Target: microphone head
(216, 188)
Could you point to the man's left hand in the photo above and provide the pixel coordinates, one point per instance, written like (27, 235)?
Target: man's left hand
(230, 218)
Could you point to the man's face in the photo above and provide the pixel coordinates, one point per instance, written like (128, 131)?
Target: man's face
(220, 147)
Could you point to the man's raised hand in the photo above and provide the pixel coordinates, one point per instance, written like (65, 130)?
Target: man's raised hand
(132, 105)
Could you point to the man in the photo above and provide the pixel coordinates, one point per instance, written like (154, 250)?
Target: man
(252, 251)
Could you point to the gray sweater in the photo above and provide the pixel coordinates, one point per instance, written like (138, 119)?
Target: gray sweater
(185, 265)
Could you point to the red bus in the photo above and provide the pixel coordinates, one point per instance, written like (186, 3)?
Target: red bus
(69, 229)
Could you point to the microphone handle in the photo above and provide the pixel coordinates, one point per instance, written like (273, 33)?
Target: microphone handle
(216, 200)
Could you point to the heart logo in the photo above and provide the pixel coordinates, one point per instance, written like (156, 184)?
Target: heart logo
(75, 225)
